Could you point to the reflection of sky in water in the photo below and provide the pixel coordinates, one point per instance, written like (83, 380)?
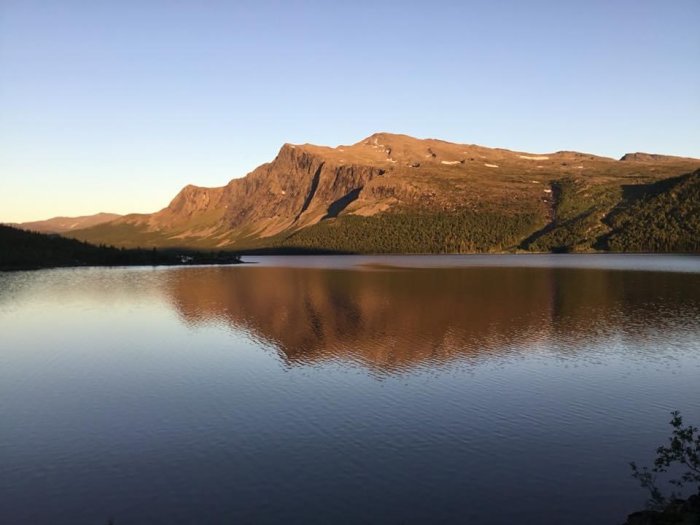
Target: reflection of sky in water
(143, 394)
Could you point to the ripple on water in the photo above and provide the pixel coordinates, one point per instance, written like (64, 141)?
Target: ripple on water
(323, 389)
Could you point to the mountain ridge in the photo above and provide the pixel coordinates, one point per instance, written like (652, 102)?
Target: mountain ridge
(387, 178)
(63, 224)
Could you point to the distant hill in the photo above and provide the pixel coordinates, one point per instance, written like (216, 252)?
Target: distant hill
(20, 249)
(397, 194)
(64, 224)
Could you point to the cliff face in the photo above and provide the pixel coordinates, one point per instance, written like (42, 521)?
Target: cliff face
(308, 187)
(298, 188)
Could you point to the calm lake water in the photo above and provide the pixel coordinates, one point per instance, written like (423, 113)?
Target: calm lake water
(494, 390)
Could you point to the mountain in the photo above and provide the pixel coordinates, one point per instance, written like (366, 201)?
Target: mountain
(64, 224)
(395, 193)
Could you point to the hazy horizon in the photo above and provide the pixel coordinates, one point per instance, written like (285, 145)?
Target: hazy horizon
(116, 107)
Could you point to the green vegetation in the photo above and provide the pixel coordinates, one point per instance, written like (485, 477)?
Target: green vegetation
(578, 209)
(21, 249)
(129, 235)
(660, 217)
(121, 234)
(417, 233)
(679, 458)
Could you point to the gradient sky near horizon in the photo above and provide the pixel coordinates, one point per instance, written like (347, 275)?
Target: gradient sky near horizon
(116, 105)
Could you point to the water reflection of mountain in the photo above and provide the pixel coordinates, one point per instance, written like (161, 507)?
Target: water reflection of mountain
(401, 318)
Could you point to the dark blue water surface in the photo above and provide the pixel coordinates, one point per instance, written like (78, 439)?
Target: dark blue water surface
(490, 390)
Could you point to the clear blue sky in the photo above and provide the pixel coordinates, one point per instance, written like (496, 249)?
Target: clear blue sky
(115, 105)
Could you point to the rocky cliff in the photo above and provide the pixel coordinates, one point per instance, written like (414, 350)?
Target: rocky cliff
(446, 197)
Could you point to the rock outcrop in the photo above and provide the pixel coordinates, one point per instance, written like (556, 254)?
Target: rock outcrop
(677, 512)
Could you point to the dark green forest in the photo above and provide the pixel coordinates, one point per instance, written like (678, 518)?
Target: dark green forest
(417, 233)
(662, 217)
(21, 249)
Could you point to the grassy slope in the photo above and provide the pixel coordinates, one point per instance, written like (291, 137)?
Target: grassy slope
(132, 235)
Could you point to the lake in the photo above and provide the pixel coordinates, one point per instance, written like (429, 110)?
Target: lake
(415, 389)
